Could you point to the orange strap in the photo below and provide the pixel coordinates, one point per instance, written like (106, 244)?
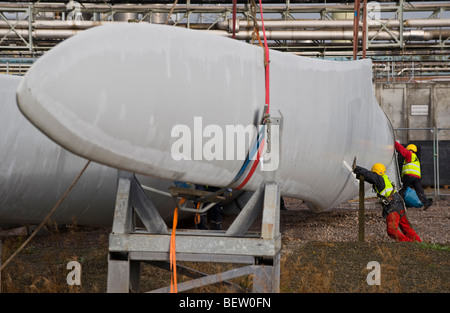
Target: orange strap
(173, 261)
(197, 218)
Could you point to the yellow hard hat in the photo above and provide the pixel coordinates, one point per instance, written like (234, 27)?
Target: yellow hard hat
(379, 168)
(412, 148)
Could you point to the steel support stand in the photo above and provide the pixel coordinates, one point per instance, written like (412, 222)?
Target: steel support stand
(128, 245)
(259, 252)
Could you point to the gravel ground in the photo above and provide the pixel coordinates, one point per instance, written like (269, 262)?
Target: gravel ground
(341, 224)
(320, 253)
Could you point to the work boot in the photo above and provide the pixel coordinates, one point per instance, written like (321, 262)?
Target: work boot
(216, 225)
(428, 204)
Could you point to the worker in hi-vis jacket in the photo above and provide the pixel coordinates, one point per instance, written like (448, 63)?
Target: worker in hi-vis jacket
(411, 176)
(393, 206)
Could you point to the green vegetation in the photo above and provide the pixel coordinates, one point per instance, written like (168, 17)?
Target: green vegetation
(434, 246)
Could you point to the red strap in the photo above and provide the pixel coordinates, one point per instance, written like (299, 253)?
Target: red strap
(267, 100)
(266, 59)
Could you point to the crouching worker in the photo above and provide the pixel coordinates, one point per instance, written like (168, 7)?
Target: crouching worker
(411, 173)
(391, 201)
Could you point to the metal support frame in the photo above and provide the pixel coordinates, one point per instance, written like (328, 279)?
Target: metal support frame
(397, 38)
(130, 245)
(27, 15)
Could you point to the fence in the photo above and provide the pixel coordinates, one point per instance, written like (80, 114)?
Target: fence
(434, 156)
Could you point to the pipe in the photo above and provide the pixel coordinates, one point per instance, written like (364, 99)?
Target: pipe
(422, 35)
(424, 69)
(55, 34)
(66, 29)
(243, 24)
(293, 8)
(424, 22)
(294, 24)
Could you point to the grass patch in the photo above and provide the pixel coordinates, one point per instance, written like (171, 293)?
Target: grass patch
(433, 246)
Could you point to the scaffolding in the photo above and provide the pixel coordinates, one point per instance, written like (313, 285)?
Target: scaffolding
(394, 32)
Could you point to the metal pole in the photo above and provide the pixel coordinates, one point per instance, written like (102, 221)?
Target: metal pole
(356, 29)
(364, 30)
(234, 18)
(435, 164)
(400, 17)
(438, 179)
(361, 210)
(30, 28)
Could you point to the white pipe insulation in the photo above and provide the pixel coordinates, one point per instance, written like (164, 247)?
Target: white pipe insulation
(139, 96)
(35, 172)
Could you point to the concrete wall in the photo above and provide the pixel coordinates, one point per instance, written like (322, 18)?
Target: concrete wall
(424, 105)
